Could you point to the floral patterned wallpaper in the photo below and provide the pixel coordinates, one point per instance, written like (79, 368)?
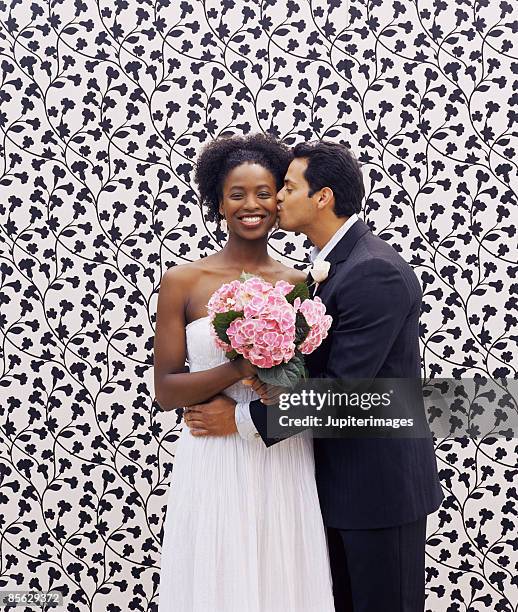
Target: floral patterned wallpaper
(103, 109)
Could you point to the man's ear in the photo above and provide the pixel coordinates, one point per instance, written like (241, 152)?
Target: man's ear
(326, 198)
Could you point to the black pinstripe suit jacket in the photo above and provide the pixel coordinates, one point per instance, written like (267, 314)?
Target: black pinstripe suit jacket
(374, 298)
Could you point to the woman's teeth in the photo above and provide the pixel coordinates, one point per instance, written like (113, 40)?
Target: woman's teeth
(251, 220)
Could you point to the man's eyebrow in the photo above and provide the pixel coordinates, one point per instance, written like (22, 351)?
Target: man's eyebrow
(288, 180)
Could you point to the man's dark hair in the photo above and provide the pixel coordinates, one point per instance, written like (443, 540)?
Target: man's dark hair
(333, 165)
(224, 154)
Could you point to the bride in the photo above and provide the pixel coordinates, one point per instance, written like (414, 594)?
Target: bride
(243, 530)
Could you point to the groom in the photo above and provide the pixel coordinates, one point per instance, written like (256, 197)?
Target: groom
(375, 494)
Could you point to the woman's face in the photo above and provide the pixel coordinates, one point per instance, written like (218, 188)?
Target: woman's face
(249, 202)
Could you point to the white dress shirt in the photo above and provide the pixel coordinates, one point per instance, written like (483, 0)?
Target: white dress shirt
(244, 423)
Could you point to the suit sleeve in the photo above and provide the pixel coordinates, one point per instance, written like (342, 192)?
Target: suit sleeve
(373, 302)
(258, 415)
(245, 425)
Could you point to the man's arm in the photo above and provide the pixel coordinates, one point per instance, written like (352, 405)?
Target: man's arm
(244, 423)
(222, 416)
(372, 302)
(251, 421)
(258, 416)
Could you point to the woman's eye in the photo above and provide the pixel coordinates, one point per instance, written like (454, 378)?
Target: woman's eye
(265, 195)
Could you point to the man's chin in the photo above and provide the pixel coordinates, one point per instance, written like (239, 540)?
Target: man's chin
(284, 226)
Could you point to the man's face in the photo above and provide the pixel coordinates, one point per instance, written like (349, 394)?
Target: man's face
(296, 210)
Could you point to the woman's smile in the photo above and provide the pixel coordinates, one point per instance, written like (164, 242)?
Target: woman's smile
(252, 220)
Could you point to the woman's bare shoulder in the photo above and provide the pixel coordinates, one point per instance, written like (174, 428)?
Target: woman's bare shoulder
(292, 275)
(176, 275)
(186, 271)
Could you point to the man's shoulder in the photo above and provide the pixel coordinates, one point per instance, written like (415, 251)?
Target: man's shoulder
(375, 262)
(374, 255)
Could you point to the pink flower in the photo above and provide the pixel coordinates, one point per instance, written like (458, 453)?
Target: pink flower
(227, 297)
(283, 287)
(254, 306)
(314, 312)
(218, 341)
(261, 341)
(254, 287)
(265, 334)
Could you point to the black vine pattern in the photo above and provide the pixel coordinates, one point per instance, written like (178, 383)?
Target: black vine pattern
(104, 107)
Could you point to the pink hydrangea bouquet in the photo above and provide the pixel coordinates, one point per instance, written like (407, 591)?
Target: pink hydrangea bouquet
(272, 326)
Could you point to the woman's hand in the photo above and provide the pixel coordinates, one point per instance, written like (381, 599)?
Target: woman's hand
(244, 367)
(268, 394)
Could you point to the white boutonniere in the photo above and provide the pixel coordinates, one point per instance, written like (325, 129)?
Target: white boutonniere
(320, 270)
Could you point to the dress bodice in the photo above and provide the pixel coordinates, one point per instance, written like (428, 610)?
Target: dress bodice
(203, 354)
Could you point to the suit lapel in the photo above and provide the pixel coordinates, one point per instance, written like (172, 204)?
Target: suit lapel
(310, 282)
(343, 248)
(332, 270)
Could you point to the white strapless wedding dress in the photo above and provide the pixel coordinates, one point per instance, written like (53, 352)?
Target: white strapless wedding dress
(243, 530)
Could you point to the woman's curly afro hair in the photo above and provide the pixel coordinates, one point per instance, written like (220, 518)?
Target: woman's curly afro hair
(224, 154)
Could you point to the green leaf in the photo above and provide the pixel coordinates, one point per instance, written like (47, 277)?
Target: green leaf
(222, 321)
(301, 328)
(284, 375)
(300, 290)
(231, 355)
(301, 362)
(247, 276)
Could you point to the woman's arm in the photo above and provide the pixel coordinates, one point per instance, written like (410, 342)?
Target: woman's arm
(175, 388)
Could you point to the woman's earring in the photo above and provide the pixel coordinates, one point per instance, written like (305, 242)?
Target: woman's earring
(224, 225)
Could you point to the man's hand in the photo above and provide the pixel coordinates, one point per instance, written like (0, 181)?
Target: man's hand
(268, 394)
(244, 367)
(213, 418)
